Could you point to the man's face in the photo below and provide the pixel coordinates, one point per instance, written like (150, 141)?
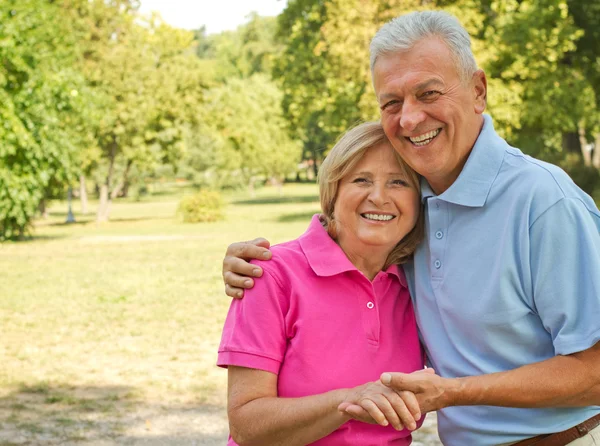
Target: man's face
(430, 115)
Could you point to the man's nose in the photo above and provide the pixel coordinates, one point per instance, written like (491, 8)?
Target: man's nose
(411, 116)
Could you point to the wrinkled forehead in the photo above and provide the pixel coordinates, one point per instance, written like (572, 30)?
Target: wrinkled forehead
(427, 60)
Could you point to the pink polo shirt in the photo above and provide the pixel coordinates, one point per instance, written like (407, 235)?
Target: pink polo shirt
(319, 324)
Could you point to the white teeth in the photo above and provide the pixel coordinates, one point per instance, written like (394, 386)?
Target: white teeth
(378, 217)
(425, 138)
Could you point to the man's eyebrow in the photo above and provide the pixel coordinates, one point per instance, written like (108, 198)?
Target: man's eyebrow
(428, 83)
(420, 86)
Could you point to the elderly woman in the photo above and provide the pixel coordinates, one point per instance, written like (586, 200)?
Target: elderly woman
(332, 307)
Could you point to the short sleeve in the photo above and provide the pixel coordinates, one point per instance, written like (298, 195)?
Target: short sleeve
(254, 334)
(565, 268)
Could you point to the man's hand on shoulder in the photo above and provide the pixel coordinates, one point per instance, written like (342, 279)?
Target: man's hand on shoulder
(237, 272)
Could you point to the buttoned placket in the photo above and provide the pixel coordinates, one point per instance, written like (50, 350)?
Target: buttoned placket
(437, 226)
(376, 290)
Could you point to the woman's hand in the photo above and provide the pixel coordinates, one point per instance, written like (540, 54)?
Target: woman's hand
(237, 272)
(377, 404)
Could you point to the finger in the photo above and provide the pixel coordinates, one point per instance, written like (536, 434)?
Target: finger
(374, 411)
(241, 267)
(392, 414)
(343, 406)
(400, 381)
(260, 241)
(236, 293)
(248, 250)
(428, 370)
(237, 281)
(412, 404)
(359, 414)
(401, 410)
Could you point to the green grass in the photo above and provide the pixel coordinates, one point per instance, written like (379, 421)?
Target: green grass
(101, 320)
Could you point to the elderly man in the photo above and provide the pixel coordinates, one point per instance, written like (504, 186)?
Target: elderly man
(506, 284)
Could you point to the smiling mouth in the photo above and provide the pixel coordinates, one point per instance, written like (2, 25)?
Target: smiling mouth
(378, 217)
(424, 139)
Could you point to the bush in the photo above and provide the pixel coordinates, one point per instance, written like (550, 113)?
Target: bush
(204, 206)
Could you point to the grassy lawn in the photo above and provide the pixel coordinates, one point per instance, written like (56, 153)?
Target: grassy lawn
(109, 332)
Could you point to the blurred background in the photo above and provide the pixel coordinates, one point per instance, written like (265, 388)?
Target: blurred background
(139, 138)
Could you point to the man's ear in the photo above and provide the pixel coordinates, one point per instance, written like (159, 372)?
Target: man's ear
(479, 83)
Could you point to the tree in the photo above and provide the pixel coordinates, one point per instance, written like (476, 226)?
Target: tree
(151, 82)
(40, 101)
(244, 123)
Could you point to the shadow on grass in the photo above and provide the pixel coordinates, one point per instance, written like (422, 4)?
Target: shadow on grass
(298, 216)
(281, 200)
(111, 220)
(64, 414)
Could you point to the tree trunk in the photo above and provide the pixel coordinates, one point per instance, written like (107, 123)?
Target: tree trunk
(117, 191)
(43, 209)
(571, 143)
(105, 196)
(596, 153)
(103, 206)
(587, 155)
(83, 197)
(251, 187)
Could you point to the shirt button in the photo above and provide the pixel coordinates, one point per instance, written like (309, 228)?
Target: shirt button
(437, 205)
(437, 264)
(439, 235)
(370, 305)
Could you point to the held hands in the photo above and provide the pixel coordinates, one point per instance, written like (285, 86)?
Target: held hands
(376, 403)
(423, 390)
(237, 272)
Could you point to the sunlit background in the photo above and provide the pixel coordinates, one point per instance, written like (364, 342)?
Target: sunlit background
(134, 149)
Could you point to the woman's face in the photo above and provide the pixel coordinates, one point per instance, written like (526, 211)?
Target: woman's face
(375, 205)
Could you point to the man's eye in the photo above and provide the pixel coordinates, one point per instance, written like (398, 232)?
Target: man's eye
(390, 104)
(430, 94)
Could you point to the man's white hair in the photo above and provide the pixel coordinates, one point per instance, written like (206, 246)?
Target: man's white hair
(404, 32)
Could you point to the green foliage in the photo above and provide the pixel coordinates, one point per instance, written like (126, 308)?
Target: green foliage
(204, 206)
(586, 177)
(243, 131)
(40, 108)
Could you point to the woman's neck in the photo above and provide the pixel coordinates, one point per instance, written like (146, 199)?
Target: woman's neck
(369, 260)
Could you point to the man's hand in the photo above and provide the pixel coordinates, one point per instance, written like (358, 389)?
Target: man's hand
(237, 272)
(381, 405)
(431, 390)
(410, 390)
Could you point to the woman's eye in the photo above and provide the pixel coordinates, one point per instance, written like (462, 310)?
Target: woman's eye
(360, 180)
(399, 183)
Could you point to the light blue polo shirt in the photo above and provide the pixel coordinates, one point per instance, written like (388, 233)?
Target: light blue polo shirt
(508, 275)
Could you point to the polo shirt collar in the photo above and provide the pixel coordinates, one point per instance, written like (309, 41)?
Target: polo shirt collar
(473, 185)
(325, 256)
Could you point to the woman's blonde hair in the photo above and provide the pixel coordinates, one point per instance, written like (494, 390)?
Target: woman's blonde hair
(346, 153)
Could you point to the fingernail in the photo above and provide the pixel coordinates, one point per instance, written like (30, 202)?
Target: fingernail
(239, 294)
(386, 378)
(385, 423)
(256, 272)
(266, 255)
(247, 283)
(417, 416)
